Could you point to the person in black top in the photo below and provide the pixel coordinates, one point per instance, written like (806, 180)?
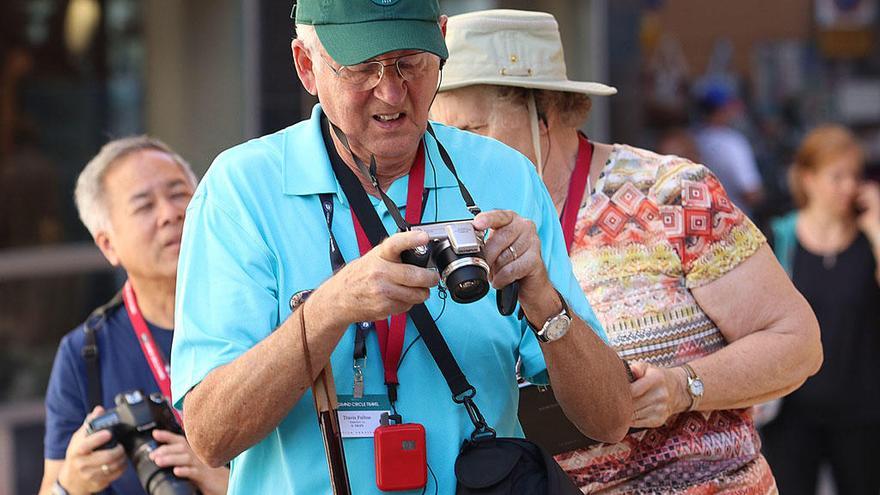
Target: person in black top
(830, 247)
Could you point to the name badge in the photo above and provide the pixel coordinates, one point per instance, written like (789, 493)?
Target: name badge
(359, 417)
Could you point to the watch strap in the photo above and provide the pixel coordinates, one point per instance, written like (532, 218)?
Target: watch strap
(57, 489)
(692, 377)
(564, 311)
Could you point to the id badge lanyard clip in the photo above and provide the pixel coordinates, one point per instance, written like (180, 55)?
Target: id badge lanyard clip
(363, 328)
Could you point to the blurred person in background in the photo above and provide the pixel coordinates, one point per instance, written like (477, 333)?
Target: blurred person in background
(683, 282)
(830, 246)
(132, 197)
(680, 142)
(725, 150)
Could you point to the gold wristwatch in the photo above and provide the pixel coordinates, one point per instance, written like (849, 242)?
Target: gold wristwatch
(694, 386)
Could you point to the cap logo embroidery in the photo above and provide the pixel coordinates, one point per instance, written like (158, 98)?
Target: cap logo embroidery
(385, 3)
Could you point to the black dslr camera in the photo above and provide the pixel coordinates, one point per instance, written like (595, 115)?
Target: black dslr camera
(132, 422)
(456, 251)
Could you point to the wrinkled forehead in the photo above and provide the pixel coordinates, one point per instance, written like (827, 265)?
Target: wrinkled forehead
(143, 170)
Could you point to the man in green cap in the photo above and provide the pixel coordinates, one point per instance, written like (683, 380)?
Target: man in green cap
(286, 216)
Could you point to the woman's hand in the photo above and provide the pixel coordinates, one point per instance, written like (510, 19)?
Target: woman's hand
(868, 202)
(657, 393)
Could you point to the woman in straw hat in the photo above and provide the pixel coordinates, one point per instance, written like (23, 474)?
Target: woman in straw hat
(684, 283)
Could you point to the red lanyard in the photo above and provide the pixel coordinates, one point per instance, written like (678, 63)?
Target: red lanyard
(151, 352)
(391, 339)
(576, 189)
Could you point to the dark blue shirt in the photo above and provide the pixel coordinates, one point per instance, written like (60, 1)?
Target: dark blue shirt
(123, 368)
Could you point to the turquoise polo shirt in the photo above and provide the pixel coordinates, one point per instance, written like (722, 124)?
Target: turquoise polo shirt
(255, 234)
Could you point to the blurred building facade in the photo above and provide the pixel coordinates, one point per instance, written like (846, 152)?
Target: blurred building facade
(205, 75)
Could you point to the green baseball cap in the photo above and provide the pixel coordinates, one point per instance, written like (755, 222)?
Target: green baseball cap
(353, 31)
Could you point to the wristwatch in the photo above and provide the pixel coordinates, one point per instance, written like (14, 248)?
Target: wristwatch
(694, 386)
(57, 489)
(555, 327)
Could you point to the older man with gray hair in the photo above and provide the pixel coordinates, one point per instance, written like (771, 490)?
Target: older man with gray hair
(334, 208)
(131, 197)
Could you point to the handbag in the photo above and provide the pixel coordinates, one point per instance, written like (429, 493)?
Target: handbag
(507, 466)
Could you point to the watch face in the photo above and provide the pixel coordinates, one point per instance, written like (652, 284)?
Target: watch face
(557, 328)
(696, 387)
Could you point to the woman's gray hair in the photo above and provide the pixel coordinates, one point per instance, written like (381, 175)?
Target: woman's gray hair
(89, 195)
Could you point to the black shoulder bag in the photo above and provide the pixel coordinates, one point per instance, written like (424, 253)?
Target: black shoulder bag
(486, 464)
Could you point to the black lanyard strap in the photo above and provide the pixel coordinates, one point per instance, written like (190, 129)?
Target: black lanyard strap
(444, 155)
(336, 259)
(371, 173)
(462, 391)
(337, 262)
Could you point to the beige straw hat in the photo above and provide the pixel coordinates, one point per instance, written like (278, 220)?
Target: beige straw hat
(509, 48)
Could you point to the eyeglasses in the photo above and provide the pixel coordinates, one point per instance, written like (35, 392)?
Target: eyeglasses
(367, 75)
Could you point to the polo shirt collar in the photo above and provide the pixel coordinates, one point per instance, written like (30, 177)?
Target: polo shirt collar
(306, 169)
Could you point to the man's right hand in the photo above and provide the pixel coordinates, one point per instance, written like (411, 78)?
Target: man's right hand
(83, 471)
(378, 284)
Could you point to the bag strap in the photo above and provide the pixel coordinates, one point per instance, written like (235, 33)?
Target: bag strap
(90, 350)
(462, 391)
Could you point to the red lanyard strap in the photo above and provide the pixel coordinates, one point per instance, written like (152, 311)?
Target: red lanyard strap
(391, 338)
(576, 189)
(157, 363)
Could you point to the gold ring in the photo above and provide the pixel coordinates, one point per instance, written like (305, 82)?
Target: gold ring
(105, 469)
(512, 251)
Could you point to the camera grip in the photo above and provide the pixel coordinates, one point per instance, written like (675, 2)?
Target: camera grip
(415, 257)
(507, 298)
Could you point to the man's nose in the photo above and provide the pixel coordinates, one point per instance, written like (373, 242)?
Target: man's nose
(170, 212)
(391, 88)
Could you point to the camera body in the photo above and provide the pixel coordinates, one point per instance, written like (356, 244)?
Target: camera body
(455, 249)
(132, 422)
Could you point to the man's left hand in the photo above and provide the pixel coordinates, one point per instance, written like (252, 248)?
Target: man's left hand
(657, 393)
(513, 250)
(175, 452)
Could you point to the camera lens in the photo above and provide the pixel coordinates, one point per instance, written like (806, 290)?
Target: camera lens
(156, 480)
(466, 277)
(467, 284)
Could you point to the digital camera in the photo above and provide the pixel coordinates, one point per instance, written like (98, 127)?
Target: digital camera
(132, 422)
(456, 251)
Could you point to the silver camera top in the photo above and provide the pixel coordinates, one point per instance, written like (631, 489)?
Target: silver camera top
(460, 234)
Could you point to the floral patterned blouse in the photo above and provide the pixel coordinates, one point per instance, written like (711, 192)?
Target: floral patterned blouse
(656, 227)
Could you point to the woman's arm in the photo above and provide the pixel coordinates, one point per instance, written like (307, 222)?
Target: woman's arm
(773, 345)
(772, 334)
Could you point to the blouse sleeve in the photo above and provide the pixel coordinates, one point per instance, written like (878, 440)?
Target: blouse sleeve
(710, 234)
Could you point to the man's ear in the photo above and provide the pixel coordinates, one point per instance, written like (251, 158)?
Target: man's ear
(305, 68)
(443, 19)
(105, 244)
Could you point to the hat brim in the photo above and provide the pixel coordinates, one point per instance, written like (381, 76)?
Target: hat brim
(350, 44)
(587, 88)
